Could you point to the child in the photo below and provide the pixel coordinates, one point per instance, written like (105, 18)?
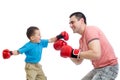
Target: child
(33, 52)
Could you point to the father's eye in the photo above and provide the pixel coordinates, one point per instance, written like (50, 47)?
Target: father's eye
(71, 22)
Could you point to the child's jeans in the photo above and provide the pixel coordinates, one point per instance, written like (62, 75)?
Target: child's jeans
(34, 72)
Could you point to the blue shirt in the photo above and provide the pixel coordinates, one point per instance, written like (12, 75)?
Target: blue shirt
(33, 51)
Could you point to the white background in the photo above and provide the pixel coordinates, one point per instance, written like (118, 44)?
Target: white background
(52, 17)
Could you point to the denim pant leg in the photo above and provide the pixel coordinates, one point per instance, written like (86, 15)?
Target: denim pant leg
(106, 73)
(90, 75)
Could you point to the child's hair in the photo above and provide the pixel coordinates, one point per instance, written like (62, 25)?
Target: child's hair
(31, 30)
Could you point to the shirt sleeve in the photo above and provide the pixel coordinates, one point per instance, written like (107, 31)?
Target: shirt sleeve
(91, 34)
(44, 42)
(24, 48)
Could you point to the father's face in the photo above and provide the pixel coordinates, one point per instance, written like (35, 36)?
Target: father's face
(74, 24)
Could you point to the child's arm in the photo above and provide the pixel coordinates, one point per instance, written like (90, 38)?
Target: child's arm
(15, 52)
(51, 40)
(7, 53)
(63, 35)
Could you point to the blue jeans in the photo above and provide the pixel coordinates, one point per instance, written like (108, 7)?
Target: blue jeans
(105, 73)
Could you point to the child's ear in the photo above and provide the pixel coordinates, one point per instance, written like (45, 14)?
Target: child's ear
(32, 38)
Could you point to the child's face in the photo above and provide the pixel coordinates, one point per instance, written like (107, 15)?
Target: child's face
(36, 37)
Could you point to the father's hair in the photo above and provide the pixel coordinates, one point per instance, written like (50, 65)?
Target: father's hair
(31, 30)
(79, 15)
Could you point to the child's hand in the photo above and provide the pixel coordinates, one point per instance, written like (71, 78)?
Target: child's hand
(63, 35)
(6, 53)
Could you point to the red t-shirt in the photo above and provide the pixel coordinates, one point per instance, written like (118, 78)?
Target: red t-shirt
(107, 53)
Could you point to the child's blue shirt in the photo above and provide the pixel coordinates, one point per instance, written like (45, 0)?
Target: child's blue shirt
(33, 51)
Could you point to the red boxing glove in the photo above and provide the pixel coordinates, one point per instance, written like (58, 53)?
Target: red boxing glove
(59, 44)
(6, 53)
(63, 35)
(68, 51)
